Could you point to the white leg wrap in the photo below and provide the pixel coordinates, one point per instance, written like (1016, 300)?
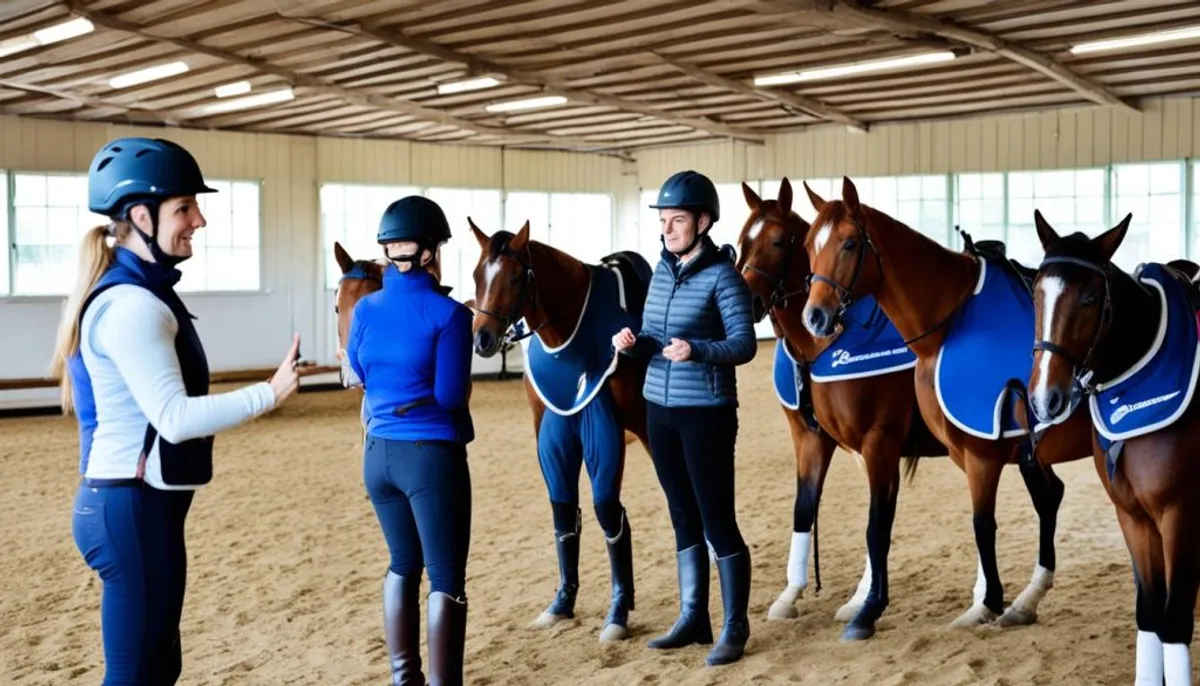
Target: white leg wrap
(1041, 581)
(846, 612)
(797, 569)
(1177, 664)
(1149, 660)
(980, 583)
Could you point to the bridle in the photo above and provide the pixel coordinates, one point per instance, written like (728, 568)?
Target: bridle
(846, 293)
(1081, 372)
(526, 298)
(779, 293)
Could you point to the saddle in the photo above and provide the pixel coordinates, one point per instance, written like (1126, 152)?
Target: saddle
(996, 252)
(635, 274)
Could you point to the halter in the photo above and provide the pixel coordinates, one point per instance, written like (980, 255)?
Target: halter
(779, 293)
(846, 293)
(1082, 373)
(527, 297)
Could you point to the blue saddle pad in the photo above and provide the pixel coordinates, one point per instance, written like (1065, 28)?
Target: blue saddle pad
(1156, 390)
(869, 345)
(566, 378)
(788, 379)
(988, 343)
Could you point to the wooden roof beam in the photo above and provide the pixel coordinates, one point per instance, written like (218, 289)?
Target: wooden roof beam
(97, 102)
(805, 104)
(908, 23)
(324, 86)
(548, 85)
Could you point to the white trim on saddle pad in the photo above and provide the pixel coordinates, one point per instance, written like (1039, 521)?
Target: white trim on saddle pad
(997, 421)
(1159, 339)
(864, 375)
(612, 367)
(775, 387)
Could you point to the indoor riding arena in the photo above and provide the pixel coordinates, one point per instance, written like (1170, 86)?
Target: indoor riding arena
(957, 119)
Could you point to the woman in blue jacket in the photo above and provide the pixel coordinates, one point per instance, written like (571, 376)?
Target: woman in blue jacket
(696, 328)
(410, 344)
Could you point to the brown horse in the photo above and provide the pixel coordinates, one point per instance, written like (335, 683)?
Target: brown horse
(1102, 330)
(874, 416)
(571, 310)
(856, 250)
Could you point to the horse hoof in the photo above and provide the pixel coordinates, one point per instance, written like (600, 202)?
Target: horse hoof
(614, 632)
(858, 632)
(978, 615)
(848, 611)
(546, 620)
(780, 610)
(1018, 616)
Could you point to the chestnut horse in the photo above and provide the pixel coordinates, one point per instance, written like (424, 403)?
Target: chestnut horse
(875, 416)
(1130, 343)
(585, 400)
(925, 289)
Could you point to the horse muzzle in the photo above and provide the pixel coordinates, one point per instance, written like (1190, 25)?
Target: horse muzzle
(347, 376)
(486, 343)
(819, 321)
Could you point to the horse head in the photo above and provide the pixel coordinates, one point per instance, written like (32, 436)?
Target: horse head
(845, 262)
(771, 256)
(504, 288)
(1073, 308)
(359, 278)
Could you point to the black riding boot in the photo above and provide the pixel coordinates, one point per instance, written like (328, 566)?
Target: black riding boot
(566, 544)
(693, 625)
(620, 559)
(447, 638)
(735, 596)
(402, 628)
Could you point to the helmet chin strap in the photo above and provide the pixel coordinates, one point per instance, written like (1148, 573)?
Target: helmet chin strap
(160, 255)
(411, 259)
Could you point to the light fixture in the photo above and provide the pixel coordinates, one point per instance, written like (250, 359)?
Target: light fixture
(1137, 40)
(855, 68)
(256, 100)
(160, 71)
(527, 104)
(468, 85)
(231, 89)
(46, 36)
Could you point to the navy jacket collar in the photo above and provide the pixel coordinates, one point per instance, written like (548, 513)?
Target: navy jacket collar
(156, 276)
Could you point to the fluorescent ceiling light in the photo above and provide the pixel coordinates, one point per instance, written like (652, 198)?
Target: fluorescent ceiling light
(469, 85)
(256, 100)
(46, 36)
(231, 89)
(1137, 40)
(160, 71)
(527, 104)
(855, 68)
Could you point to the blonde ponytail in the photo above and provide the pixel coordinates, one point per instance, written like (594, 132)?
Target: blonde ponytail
(95, 257)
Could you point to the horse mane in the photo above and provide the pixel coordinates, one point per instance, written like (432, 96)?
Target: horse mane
(567, 262)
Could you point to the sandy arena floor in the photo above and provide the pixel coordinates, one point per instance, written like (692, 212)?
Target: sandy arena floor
(286, 561)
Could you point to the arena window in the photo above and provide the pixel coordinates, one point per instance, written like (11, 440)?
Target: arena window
(1155, 194)
(350, 215)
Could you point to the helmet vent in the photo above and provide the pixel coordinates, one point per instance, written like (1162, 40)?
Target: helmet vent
(103, 163)
(115, 149)
(143, 151)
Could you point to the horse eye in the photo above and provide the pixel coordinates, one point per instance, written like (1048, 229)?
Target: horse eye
(336, 310)
(1090, 298)
(777, 244)
(851, 244)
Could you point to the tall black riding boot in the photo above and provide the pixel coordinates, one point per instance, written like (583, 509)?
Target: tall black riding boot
(566, 544)
(620, 560)
(693, 625)
(735, 596)
(402, 628)
(447, 639)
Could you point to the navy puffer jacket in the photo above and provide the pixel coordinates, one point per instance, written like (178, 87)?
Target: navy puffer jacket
(706, 303)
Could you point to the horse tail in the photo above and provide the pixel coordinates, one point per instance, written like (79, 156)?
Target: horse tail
(920, 443)
(911, 462)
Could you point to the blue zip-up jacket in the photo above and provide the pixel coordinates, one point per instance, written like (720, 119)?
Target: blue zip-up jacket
(706, 303)
(411, 346)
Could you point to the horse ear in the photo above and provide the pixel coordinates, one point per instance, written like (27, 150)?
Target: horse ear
(521, 239)
(480, 236)
(785, 197)
(1046, 233)
(1110, 240)
(817, 201)
(752, 200)
(849, 194)
(343, 258)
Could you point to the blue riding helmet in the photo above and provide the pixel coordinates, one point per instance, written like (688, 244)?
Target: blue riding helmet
(689, 190)
(128, 170)
(414, 218)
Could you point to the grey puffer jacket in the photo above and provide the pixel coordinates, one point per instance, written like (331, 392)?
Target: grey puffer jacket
(706, 303)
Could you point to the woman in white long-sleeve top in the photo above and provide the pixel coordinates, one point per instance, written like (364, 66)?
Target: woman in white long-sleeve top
(133, 370)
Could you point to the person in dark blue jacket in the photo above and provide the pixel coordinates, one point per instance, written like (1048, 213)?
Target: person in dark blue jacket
(696, 328)
(410, 344)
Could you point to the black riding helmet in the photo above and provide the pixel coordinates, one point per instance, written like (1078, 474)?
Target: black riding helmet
(413, 218)
(692, 191)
